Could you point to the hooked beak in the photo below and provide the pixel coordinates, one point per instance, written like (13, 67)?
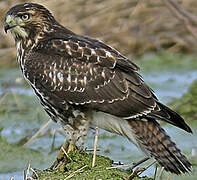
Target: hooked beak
(9, 23)
(7, 27)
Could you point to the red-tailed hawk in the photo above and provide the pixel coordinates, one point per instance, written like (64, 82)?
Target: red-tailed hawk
(82, 82)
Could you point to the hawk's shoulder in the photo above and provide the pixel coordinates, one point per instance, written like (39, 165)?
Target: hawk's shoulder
(86, 49)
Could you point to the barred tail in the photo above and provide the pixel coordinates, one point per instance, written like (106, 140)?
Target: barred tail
(158, 144)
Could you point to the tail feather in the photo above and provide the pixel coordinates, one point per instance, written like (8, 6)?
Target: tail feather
(164, 113)
(154, 139)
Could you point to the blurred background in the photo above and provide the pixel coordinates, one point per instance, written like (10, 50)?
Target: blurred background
(160, 36)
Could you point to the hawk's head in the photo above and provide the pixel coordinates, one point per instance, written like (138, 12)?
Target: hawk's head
(29, 20)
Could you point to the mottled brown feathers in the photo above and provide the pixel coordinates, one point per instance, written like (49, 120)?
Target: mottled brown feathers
(76, 78)
(159, 145)
(90, 75)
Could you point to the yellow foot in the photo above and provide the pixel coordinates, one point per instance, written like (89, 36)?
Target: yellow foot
(62, 157)
(71, 147)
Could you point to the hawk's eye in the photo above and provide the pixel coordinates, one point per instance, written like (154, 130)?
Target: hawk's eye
(25, 17)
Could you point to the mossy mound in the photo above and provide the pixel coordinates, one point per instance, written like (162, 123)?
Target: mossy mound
(83, 161)
(186, 105)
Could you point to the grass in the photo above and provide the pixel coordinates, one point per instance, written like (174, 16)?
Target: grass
(186, 105)
(165, 61)
(83, 161)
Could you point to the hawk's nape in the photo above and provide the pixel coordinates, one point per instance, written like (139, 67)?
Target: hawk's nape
(78, 78)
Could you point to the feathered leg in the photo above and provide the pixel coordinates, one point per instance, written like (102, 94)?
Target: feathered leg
(76, 131)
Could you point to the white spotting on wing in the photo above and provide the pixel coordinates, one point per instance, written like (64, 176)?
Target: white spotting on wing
(60, 76)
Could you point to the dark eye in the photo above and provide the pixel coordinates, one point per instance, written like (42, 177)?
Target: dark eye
(25, 17)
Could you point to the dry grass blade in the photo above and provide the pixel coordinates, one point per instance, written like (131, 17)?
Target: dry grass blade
(139, 171)
(75, 172)
(3, 98)
(95, 147)
(182, 11)
(19, 105)
(34, 173)
(181, 14)
(127, 165)
(147, 167)
(159, 173)
(38, 133)
(54, 132)
(28, 172)
(120, 166)
(62, 148)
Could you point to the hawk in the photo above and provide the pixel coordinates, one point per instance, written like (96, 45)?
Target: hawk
(82, 83)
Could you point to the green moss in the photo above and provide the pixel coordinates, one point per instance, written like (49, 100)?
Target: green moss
(186, 105)
(82, 159)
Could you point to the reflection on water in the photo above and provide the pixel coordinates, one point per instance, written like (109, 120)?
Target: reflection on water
(166, 85)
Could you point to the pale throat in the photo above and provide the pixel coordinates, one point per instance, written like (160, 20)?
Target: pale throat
(24, 38)
(23, 47)
(25, 43)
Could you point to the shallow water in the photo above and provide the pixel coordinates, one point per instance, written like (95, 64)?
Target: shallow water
(166, 84)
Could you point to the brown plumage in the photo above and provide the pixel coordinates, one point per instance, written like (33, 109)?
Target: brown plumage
(79, 80)
(158, 143)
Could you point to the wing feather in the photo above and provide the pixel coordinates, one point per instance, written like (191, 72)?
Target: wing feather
(83, 71)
